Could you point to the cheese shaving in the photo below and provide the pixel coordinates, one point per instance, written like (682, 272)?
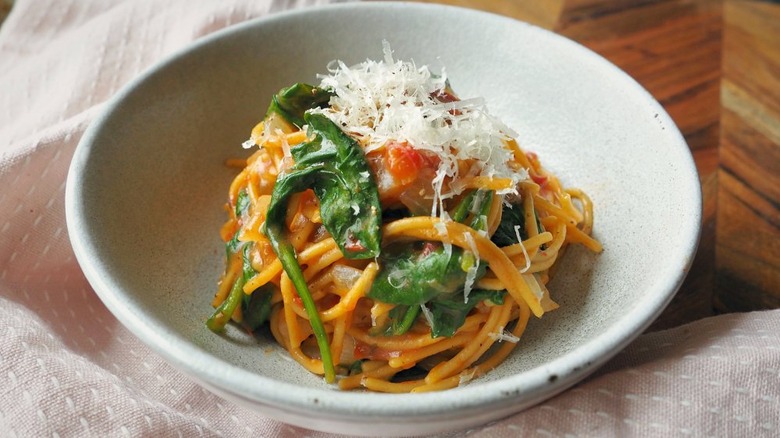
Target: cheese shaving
(503, 335)
(471, 273)
(522, 247)
(391, 100)
(534, 285)
(428, 315)
(445, 236)
(466, 376)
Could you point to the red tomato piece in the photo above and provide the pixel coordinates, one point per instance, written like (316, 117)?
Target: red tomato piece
(403, 162)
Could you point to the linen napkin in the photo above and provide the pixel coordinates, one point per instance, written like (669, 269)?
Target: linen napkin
(68, 368)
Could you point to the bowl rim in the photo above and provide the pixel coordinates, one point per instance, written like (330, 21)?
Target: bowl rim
(535, 384)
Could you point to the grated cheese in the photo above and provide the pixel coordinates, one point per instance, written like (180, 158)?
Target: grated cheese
(445, 235)
(428, 315)
(522, 247)
(503, 335)
(380, 101)
(466, 376)
(471, 273)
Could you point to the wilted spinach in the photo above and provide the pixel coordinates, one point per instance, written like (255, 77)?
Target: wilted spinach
(292, 102)
(423, 273)
(449, 312)
(333, 165)
(513, 215)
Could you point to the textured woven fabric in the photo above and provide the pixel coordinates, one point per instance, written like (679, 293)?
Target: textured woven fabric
(68, 368)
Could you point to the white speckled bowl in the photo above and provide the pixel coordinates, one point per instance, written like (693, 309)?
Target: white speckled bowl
(147, 185)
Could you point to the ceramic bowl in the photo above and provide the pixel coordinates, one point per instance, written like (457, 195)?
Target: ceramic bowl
(148, 182)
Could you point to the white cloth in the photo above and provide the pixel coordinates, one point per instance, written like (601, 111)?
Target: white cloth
(68, 368)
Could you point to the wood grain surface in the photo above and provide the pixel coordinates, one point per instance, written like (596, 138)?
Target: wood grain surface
(715, 67)
(747, 246)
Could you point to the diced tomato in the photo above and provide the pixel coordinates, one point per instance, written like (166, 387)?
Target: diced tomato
(362, 350)
(353, 244)
(428, 248)
(365, 351)
(539, 179)
(445, 96)
(403, 162)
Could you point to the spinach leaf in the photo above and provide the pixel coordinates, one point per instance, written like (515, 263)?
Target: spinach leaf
(246, 263)
(256, 307)
(513, 215)
(286, 253)
(482, 203)
(233, 245)
(448, 312)
(477, 204)
(292, 102)
(415, 273)
(333, 165)
(356, 367)
(242, 203)
(236, 296)
(401, 319)
(224, 312)
(412, 273)
(464, 206)
(242, 207)
(337, 171)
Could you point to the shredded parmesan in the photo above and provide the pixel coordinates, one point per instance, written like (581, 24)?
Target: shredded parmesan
(445, 236)
(427, 313)
(471, 273)
(534, 285)
(522, 247)
(380, 101)
(503, 335)
(466, 376)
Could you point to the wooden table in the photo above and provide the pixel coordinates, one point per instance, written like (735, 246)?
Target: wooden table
(715, 67)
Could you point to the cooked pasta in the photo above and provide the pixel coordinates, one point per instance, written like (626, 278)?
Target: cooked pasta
(390, 235)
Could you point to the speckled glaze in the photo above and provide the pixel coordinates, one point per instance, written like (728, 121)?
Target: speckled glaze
(147, 185)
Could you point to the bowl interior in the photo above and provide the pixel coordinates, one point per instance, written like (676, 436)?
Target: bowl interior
(148, 186)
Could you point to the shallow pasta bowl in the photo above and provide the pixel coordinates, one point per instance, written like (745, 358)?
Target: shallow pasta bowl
(147, 186)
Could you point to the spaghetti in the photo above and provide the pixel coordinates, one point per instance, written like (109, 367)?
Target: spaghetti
(391, 235)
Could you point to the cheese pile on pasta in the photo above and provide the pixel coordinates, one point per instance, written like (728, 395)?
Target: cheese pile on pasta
(391, 235)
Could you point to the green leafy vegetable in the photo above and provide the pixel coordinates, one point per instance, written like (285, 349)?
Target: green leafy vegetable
(337, 170)
(513, 215)
(413, 273)
(356, 367)
(292, 102)
(256, 307)
(251, 304)
(401, 319)
(416, 273)
(464, 206)
(449, 312)
(233, 245)
(482, 207)
(224, 312)
(333, 165)
(242, 203)
(242, 207)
